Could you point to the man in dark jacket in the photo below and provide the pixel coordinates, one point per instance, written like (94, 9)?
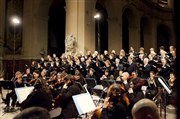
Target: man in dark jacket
(70, 88)
(39, 97)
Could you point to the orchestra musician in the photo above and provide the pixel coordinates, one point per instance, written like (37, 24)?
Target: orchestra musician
(27, 75)
(1, 79)
(152, 84)
(114, 106)
(36, 76)
(53, 78)
(172, 84)
(64, 99)
(39, 97)
(125, 80)
(12, 95)
(57, 86)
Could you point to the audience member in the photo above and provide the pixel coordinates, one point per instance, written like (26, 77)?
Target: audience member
(33, 113)
(145, 109)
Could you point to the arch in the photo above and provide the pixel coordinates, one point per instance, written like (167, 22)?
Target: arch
(56, 27)
(163, 36)
(102, 26)
(127, 22)
(145, 32)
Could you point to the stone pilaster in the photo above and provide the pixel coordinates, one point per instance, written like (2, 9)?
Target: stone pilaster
(2, 22)
(80, 24)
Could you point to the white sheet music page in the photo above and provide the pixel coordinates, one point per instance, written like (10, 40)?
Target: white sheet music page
(23, 92)
(84, 103)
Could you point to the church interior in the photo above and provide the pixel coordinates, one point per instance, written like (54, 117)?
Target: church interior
(109, 39)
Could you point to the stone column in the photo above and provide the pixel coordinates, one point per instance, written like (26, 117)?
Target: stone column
(35, 33)
(79, 23)
(2, 28)
(115, 35)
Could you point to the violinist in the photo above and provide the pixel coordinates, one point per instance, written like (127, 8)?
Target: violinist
(27, 75)
(125, 79)
(57, 86)
(39, 97)
(44, 74)
(114, 106)
(69, 89)
(36, 75)
(53, 78)
(12, 95)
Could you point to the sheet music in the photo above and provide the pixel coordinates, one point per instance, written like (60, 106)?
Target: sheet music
(23, 92)
(84, 103)
(164, 85)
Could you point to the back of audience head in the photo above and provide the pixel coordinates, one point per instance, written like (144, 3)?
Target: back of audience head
(145, 109)
(33, 113)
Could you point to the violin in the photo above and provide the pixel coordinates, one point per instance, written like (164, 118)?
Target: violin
(97, 113)
(58, 83)
(126, 99)
(32, 81)
(57, 101)
(133, 75)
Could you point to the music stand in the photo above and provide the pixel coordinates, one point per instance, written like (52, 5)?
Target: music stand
(107, 83)
(91, 82)
(7, 85)
(94, 89)
(164, 89)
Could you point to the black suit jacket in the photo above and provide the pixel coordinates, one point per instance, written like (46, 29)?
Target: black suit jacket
(68, 106)
(38, 97)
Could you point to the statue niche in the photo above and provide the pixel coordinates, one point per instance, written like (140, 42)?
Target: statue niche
(70, 45)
